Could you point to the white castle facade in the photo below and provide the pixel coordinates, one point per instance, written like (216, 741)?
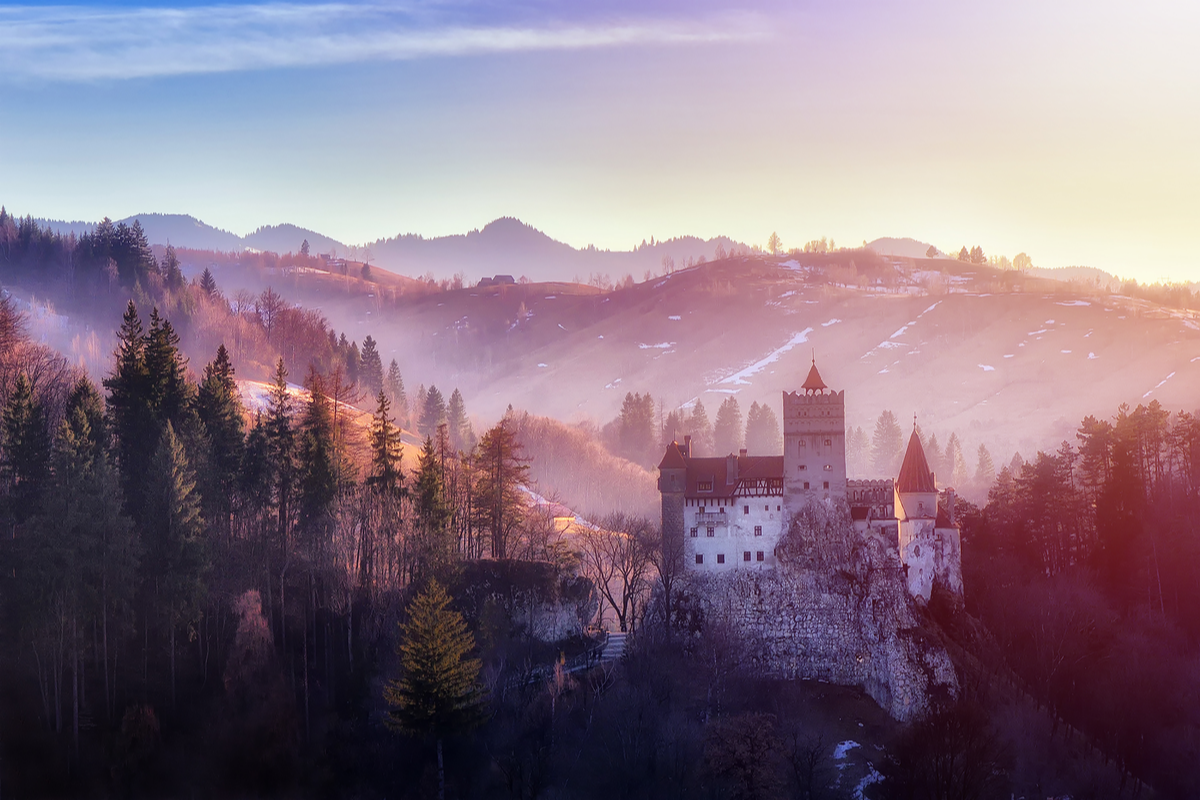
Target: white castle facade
(733, 511)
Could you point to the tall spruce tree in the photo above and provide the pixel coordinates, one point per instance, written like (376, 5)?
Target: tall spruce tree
(501, 471)
(394, 386)
(438, 692)
(26, 451)
(281, 449)
(316, 460)
(727, 432)
(208, 284)
(386, 450)
(458, 426)
(219, 408)
(701, 431)
(887, 445)
(762, 431)
(434, 546)
(170, 394)
(433, 412)
(635, 428)
(130, 411)
(370, 367)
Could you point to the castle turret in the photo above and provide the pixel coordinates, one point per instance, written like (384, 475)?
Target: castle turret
(916, 492)
(814, 441)
(928, 539)
(672, 484)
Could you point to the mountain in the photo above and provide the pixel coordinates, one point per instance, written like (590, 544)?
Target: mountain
(503, 246)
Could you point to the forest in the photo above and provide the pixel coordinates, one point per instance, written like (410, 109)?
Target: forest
(201, 598)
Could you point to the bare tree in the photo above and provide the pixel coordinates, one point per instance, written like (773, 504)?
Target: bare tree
(616, 558)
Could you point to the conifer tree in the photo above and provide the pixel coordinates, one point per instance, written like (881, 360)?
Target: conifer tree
(727, 432)
(84, 398)
(317, 483)
(219, 408)
(433, 412)
(176, 556)
(170, 270)
(370, 367)
(438, 692)
(456, 420)
(501, 472)
(394, 386)
(701, 430)
(635, 430)
(386, 450)
(985, 469)
(208, 283)
(26, 451)
(887, 445)
(762, 431)
(434, 512)
(130, 411)
(170, 394)
(281, 447)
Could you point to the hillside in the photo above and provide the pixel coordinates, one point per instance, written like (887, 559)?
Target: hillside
(1008, 361)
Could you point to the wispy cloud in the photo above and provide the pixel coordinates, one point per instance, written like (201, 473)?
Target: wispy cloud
(80, 43)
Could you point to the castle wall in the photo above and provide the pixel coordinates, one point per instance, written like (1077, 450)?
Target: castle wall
(733, 523)
(852, 628)
(814, 447)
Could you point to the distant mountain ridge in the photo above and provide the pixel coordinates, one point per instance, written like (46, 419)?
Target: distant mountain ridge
(503, 246)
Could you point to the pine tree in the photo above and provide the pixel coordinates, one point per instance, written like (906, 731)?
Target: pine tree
(316, 461)
(370, 368)
(955, 464)
(130, 411)
(208, 283)
(434, 547)
(170, 270)
(501, 471)
(84, 398)
(394, 386)
(26, 451)
(386, 450)
(985, 470)
(458, 425)
(700, 430)
(727, 432)
(219, 408)
(635, 428)
(176, 556)
(762, 431)
(433, 412)
(438, 692)
(281, 449)
(887, 445)
(169, 392)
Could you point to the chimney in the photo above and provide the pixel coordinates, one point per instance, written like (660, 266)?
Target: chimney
(742, 453)
(687, 446)
(731, 469)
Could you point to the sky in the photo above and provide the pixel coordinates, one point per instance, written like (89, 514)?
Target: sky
(1066, 130)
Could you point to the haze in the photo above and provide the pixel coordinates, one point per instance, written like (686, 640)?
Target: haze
(1063, 131)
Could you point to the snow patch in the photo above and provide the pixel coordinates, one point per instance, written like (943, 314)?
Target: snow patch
(833, 321)
(1037, 333)
(1064, 351)
(987, 368)
(675, 317)
(659, 346)
(739, 378)
(1008, 355)
(1158, 385)
(931, 308)
(839, 752)
(612, 385)
(1048, 322)
(1091, 356)
(543, 366)
(551, 297)
(1074, 303)
(601, 336)
(561, 326)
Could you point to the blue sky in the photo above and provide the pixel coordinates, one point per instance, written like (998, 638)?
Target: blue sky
(1065, 130)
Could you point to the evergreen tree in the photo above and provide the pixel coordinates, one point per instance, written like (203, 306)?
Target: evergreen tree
(456, 420)
(386, 451)
(208, 283)
(433, 412)
(438, 692)
(954, 463)
(130, 411)
(219, 408)
(281, 449)
(727, 432)
(26, 443)
(762, 431)
(434, 546)
(858, 452)
(84, 398)
(887, 445)
(170, 270)
(176, 557)
(170, 393)
(501, 471)
(635, 429)
(370, 368)
(394, 386)
(700, 430)
(353, 363)
(985, 470)
(316, 461)
(934, 454)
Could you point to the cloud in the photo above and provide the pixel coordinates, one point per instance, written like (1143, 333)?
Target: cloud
(81, 43)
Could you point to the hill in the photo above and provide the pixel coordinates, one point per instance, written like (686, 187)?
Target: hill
(906, 248)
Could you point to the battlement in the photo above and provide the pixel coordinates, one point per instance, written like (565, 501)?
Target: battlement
(793, 399)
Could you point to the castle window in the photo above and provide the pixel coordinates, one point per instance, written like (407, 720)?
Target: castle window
(760, 555)
(826, 484)
(766, 508)
(699, 558)
(828, 467)
(720, 558)
(704, 486)
(806, 484)
(711, 531)
(758, 530)
(701, 509)
(804, 467)
(746, 555)
(693, 533)
(777, 508)
(745, 509)
(803, 444)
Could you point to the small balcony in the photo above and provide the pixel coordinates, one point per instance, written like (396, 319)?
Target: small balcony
(709, 518)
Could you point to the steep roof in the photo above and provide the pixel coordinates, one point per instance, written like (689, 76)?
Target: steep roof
(943, 519)
(915, 475)
(752, 471)
(673, 458)
(813, 382)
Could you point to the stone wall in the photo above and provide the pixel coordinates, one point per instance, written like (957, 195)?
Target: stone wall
(854, 625)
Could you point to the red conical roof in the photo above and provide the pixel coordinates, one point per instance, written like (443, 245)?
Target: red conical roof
(673, 458)
(915, 475)
(813, 382)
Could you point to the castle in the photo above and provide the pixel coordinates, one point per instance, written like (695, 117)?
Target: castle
(838, 602)
(733, 511)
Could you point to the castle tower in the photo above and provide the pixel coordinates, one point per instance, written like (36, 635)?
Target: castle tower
(917, 512)
(672, 484)
(814, 443)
